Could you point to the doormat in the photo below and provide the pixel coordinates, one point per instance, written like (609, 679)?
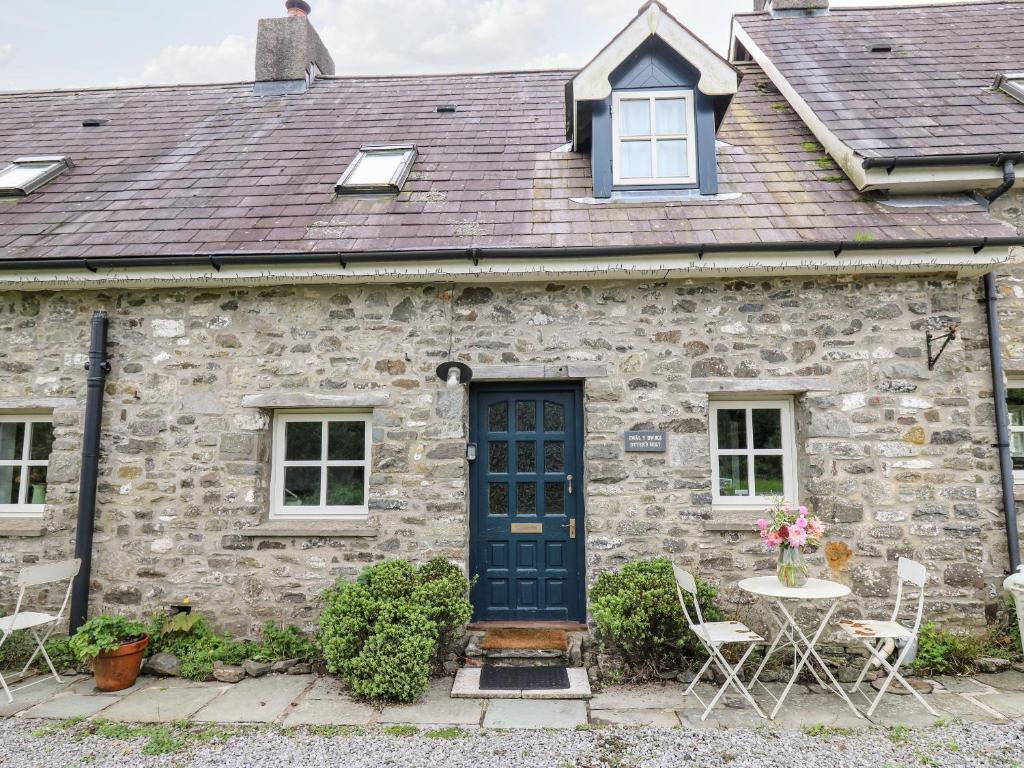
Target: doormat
(524, 679)
(516, 638)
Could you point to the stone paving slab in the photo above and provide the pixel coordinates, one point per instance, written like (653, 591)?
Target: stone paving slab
(154, 704)
(1008, 704)
(86, 686)
(65, 705)
(1010, 680)
(659, 696)
(40, 689)
(330, 712)
(965, 707)
(657, 718)
(519, 713)
(255, 700)
(436, 707)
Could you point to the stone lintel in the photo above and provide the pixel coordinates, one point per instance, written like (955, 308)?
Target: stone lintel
(35, 403)
(310, 529)
(541, 371)
(1014, 366)
(272, 400)
(780, 386)
(22, 527)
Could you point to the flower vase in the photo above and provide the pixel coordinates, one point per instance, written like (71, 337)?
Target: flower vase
(792, 570)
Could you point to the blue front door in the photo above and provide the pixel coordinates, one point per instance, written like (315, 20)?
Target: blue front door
(526, 502)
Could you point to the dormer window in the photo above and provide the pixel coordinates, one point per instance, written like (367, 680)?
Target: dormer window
(377, 170)
(26, 174)
(653, 142)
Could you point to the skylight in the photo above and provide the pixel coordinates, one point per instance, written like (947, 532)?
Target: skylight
(1012, 84)
(26, 174)
(377, 169)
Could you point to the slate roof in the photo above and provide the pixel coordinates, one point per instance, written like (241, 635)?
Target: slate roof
(213, 169)
(932, 95)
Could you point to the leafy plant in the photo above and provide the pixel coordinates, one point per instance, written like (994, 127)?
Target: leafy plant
(60, 653)
(15, 652)
(102, 634)
(197, 646)
(940, 652)
(638, 615)
(280, 643)
(385, 632)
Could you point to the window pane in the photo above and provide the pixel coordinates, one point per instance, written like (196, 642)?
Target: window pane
(17, 176)
(732, 428)
(344, 486)
(554, 498)
(497, 457)
(36, 486)
(497, 498)
(376, 168)
(670, 116)
(672, 159)
(302, 441)
(1017, 449)
(497, 417)
(767, 424)
(732, 476)
(302, 486)
(346, 440)
(634, 117)
(768, 476)
(635, 157)
(12, 440)
(526, 498)
(10, 481)
(1015, 403)
(526, 416)
(554, 417)
(42, 441)
(554, 456)
(526, 457)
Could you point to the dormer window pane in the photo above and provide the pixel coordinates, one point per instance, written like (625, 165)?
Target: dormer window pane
(377, 170)
(653, 141)
(26, 174)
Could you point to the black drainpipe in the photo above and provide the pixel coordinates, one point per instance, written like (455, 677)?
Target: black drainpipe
(98, 367)
(995, 347)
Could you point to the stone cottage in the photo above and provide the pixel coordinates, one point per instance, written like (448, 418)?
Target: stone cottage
(540, 323)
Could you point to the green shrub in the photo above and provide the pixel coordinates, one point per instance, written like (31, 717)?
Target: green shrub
(197, 646)
(638, 615)
(280, 643)
(940, 652)
(104, 633)
(385, 632)
(60, 653)
(16, 650)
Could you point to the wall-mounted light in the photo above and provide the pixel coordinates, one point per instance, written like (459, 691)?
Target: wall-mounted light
(453, 374)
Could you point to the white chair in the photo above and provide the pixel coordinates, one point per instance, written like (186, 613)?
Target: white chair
(876, 634)
(713, 635)
(33, 621)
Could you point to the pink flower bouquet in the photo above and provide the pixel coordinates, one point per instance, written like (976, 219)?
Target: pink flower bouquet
(789, 529)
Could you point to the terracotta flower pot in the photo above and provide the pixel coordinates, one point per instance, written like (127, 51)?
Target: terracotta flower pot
(117, 670)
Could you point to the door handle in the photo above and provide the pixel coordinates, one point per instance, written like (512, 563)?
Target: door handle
(569, 478)
(571, 525)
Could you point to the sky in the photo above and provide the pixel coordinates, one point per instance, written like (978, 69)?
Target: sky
(98, 43)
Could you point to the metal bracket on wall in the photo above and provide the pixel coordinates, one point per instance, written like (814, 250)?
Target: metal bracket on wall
(944, 338)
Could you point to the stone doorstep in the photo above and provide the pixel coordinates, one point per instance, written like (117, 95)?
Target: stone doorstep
(467, 686)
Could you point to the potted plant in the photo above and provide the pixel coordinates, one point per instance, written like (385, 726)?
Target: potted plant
(789, 530)
(114, 645)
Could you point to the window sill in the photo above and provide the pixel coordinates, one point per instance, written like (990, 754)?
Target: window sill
(310, 529)
(22, 527)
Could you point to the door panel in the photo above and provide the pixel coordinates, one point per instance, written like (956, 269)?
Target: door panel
(523, 553)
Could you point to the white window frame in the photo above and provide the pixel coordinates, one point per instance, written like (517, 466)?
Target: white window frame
(1015, 383)
(278, 510)
(651, 96)
(24, 508)
(787, 451)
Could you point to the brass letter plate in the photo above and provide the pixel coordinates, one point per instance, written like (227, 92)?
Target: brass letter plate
(527, 527)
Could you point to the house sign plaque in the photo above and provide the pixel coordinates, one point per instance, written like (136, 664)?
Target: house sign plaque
(643, 441)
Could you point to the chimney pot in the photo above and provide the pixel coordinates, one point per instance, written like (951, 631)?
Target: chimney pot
(298, 8)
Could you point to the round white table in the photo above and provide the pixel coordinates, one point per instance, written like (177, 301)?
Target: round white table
(790, 634)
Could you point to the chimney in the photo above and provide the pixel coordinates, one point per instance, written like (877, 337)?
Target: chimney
(798, 7)
(289, 53)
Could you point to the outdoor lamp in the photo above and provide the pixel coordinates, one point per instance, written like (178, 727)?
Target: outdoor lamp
(453, 373)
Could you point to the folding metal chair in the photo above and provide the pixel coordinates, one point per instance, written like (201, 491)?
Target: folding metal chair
(713, 635)
(34, 576)
(875, 634)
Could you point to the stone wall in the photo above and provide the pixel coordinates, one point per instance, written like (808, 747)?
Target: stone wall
(895, 457)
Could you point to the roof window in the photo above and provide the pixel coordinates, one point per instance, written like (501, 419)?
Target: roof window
(377, 169)
(1012, 84)
(26, 174)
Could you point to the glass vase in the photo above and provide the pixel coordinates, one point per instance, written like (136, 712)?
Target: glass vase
(792, 570)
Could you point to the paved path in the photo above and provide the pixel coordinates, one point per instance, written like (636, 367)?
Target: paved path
(306, 700)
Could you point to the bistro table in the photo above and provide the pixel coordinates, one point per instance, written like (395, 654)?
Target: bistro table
(789, 633)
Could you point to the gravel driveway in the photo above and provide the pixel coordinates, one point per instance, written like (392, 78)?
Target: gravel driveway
(31, 744)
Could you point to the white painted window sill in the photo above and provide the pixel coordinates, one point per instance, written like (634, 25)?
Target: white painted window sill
(22, 527)
(311, 529)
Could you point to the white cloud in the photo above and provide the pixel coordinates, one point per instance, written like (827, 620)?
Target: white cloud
(230, 60)
(6, 53)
